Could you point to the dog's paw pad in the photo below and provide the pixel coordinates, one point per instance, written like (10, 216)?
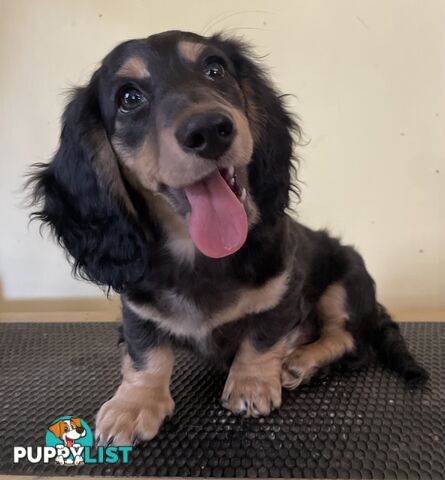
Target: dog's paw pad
(251, 396)
(296, 371)
(121, 421)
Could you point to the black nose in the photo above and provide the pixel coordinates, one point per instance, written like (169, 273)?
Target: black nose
(80, 429)
(208, 135)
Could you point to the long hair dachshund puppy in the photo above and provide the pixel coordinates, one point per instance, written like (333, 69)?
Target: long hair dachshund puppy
(170, 186)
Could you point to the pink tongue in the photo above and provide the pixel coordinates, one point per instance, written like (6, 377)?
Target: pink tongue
(218, 222)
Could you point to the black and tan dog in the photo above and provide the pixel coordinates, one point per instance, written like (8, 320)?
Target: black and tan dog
(170, 186)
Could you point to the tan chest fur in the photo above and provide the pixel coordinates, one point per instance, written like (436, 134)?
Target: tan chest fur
(187, 320)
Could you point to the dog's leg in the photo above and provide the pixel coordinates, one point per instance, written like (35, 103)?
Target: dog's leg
(305, 360)
(253, 385)
(142, 401)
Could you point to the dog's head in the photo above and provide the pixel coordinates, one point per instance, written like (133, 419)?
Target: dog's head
(68, 429)
(177, 131)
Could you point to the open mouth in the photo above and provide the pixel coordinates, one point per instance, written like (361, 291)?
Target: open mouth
(218, 223)
(69, 442)
(230, 177)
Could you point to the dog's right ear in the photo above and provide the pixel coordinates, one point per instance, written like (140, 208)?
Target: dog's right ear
(83, 197)
(76, 421)
(57, 428)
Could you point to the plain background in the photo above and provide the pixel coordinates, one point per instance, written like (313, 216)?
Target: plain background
(368, 79)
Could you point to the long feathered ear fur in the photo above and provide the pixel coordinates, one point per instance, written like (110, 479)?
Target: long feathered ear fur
(272, 127)
(96, 228)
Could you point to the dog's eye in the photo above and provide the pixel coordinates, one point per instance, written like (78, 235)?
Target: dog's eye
(214, 69)
(130, 98)
(65, 429)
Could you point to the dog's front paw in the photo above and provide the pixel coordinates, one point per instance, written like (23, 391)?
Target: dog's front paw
(250, 395)
(78, 460)
(123, 419)
(60, 460)
(298, 369)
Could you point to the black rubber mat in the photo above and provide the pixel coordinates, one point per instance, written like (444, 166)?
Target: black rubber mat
(365, 424)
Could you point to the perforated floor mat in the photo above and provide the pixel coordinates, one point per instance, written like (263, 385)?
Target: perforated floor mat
(365, 424)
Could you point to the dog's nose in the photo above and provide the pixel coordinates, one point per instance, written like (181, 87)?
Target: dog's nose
(80, 429)
(208, 135)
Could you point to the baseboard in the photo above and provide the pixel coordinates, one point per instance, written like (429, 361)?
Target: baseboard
(47, 310)
(56, 317)
(419, 315)
(73, 304)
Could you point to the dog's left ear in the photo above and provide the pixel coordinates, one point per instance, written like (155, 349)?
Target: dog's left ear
(272, 128)
(76, 421)
(57, 429)
(84, 199)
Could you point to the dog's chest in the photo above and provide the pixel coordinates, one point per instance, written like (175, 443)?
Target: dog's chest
(175, 314)
(183, 317)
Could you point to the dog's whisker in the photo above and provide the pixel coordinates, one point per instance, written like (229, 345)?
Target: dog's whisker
(223, 17)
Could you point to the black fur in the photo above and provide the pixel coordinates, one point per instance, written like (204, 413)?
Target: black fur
(107, 247)
(126, 251)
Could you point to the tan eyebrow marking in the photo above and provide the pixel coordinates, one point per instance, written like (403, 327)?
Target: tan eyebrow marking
(190, 51)
(134, 67)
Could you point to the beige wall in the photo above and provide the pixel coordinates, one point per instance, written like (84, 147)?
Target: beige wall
(369, 80)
